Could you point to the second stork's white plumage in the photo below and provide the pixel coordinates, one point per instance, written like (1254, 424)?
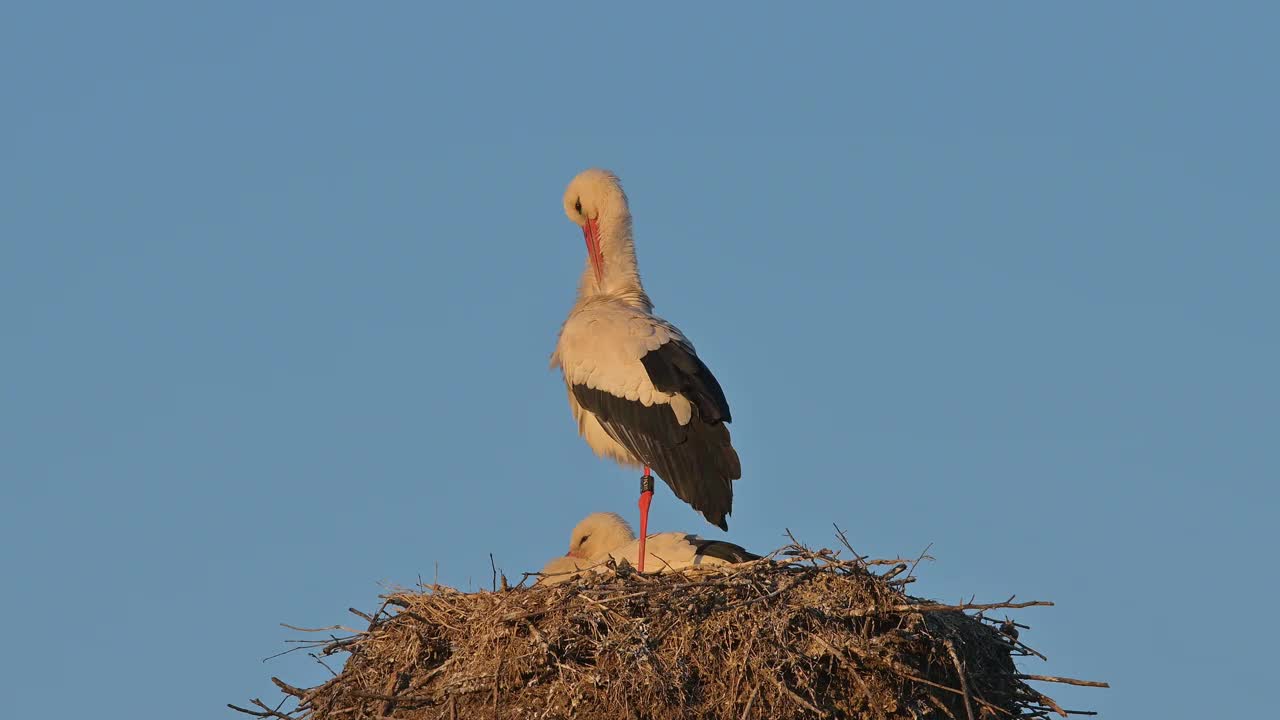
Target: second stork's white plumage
(638, 391)
(602, 537)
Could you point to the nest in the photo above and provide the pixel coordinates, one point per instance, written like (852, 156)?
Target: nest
(802, 634)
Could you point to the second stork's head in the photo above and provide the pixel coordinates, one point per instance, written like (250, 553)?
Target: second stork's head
(595, 202)
(597, 535)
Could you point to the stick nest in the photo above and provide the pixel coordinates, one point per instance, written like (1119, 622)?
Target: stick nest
(802, 634)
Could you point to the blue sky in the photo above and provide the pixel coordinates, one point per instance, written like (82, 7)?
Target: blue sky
(279, 282)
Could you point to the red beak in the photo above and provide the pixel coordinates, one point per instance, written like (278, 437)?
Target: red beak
(591, 231)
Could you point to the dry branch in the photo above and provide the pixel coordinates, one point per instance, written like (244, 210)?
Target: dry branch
(1064, 680)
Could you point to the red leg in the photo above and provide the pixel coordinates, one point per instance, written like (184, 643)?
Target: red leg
(646, 495)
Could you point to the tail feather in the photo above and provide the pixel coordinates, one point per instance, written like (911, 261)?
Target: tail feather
(726, 551)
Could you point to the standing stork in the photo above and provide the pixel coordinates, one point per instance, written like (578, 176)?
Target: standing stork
(636, 387)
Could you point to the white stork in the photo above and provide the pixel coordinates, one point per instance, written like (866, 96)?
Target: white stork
(604, 536)
(637, 389)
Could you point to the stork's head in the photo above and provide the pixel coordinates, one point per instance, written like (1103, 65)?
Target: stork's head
(597, 534)
(593, 197)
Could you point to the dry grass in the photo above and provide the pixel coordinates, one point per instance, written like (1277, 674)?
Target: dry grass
(807, 634)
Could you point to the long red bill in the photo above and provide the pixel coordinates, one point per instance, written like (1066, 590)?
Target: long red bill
(591, 231)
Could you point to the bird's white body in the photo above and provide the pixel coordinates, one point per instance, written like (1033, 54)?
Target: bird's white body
(669, 551)
(602, 537)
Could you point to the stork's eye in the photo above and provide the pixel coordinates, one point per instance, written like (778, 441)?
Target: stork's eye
(577, 205)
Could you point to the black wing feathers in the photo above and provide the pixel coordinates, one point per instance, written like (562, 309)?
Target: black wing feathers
(725, 551)
(697, 460)
(673, 368)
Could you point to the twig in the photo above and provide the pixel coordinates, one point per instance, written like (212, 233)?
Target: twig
(1045, 699)
(296, 692)
(309, 644)
(266, 711)
(893, 572)
(323, 663)
(1023, 646)
(940, 607)
(924, 555)
(411, 699)
(628, 596)
(1063, 680)
(794, 696)
(382, 609)
(888, 561)
(421, 682)
(497, 685)
(254, 713)
(964, 680)
(338, 645)
(844, 540)
(343, 628)
(933, 700)
(750, 701)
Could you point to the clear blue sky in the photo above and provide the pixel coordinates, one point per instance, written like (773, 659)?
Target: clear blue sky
(279, 282)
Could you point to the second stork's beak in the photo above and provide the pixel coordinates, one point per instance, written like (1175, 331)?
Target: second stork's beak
(591, 232)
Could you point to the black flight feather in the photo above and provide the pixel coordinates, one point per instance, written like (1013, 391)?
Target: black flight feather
(725, 551)
(674, 368)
